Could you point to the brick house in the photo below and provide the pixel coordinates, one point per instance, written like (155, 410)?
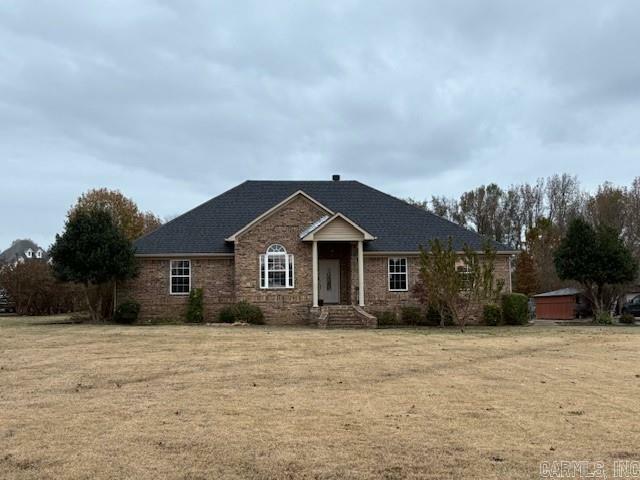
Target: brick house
(306, 252)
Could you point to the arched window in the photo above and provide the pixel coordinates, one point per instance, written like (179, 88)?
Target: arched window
(276, 268)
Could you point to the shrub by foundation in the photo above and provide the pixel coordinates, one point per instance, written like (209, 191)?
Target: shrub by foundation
(411, 315)
(515, 309)
(127, 312)
(195, 307)
(387, 319)
(491, 314)
(242, 312)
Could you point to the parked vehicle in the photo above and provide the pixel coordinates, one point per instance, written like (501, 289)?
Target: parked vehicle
(632, 306)
(6, 305)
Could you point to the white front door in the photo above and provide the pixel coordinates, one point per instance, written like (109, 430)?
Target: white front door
(329, 281)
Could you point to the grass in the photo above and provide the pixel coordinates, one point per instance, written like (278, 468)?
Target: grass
(191, 402)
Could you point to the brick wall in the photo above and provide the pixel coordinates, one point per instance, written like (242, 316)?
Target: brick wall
(151, 288)
(281, 306)
(378, 298)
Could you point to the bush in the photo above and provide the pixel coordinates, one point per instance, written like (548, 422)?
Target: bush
(242, 312)
(411, 315)
(195, 306)
(491, 314)
(247, 313)
(515, 309)
(433, 317)
(226, 315)
(33, 290)
(627, 319)
(387, 319)
(127, 312)
(603, 318)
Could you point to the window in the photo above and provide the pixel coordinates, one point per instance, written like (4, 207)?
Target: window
(465, 273)
(398, 274)
(180, 277)
(276, 268)
(28, 253)
(39, 254)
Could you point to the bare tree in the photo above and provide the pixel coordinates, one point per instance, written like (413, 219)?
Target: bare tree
(565, 200)
(532, 202)
(607, 207)
(417, 203)
(631, 231)
(513, 217)
(482, 208)
(447, 208)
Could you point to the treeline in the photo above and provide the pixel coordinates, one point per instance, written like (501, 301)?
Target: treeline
(533, 217)
(32, 285)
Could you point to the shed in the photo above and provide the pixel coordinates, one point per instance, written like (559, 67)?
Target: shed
(557, 305)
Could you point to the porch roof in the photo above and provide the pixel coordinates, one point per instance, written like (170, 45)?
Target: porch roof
(338, 227)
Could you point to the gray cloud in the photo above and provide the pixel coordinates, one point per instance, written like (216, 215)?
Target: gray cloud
(173, 102)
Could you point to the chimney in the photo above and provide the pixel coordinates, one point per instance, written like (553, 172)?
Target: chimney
(335, 178)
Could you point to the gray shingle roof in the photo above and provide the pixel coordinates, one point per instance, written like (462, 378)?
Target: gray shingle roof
(559, 293)
(397, 225)
(18, 249)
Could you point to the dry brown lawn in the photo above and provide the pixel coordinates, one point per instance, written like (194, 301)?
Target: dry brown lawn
(97, 402)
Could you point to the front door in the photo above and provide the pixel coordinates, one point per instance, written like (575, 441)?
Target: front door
(329, 281)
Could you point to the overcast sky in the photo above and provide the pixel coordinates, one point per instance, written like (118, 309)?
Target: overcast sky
(175, 102)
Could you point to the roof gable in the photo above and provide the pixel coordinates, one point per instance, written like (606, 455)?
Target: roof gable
(274, 209)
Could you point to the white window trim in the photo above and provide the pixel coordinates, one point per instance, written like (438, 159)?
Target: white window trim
(28, 253)
(171, 275)
(289, 269)
(406, 274)
(463, 269)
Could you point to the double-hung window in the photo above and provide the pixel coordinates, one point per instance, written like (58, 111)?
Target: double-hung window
(276, 268)
(398, 280)
(465, 276)
(180, 277)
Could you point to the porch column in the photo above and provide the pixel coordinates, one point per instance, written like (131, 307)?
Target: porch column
(314, 271)
(360, 275)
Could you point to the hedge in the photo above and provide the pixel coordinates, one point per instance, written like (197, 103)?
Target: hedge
(411, 315)
(492, 314)
(387, 319)
(242, 312)
(515, 309)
